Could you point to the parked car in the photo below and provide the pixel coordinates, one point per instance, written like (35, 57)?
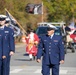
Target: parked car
(43, 30)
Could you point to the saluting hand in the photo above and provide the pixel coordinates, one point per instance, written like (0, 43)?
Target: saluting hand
(3, 57)
(11, 53)
(38, 60)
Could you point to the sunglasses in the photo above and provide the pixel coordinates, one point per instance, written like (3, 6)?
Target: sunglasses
(49, 29)
(2, 19)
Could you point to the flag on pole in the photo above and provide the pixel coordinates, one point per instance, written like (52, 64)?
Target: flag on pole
(30, 8)
(13, 24)
(34, 8)
(38, 9)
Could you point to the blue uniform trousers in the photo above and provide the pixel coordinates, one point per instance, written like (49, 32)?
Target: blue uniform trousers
(5, 66)
(46, 69)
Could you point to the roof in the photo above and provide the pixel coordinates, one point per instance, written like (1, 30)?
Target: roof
(53, 23)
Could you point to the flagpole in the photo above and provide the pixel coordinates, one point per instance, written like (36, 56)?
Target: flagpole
(42, 11)
(17, 22)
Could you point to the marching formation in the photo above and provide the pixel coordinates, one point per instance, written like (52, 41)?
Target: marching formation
(49, 47)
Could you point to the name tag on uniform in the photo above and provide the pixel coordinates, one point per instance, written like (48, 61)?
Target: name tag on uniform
(45, 40)
(6, 31)
(55, 40)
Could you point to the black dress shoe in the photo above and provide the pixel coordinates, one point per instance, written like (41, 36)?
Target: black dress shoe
(33, 57)
(30, 59)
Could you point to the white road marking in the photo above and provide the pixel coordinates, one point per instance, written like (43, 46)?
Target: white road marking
(61, 71)
(16, 70)
(38, 71)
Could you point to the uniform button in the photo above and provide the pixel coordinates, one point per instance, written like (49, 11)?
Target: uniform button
(49, 43)
(49, 46)
(49, 49)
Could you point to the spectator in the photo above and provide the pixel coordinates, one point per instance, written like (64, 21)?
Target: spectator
(31, 44)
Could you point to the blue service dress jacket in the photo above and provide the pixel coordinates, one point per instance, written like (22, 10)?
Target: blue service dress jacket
(52, 49)
(6, 41)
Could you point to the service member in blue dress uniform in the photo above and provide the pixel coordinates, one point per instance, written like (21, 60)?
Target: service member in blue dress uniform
(7, 46)
(53, 53)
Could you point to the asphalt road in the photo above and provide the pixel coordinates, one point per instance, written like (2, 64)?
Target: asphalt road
(21, 65)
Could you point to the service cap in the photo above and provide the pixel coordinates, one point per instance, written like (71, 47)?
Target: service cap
(2, 17)
(51, 27)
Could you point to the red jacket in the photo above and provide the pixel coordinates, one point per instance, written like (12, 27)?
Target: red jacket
(31, 42)
(73, 36)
